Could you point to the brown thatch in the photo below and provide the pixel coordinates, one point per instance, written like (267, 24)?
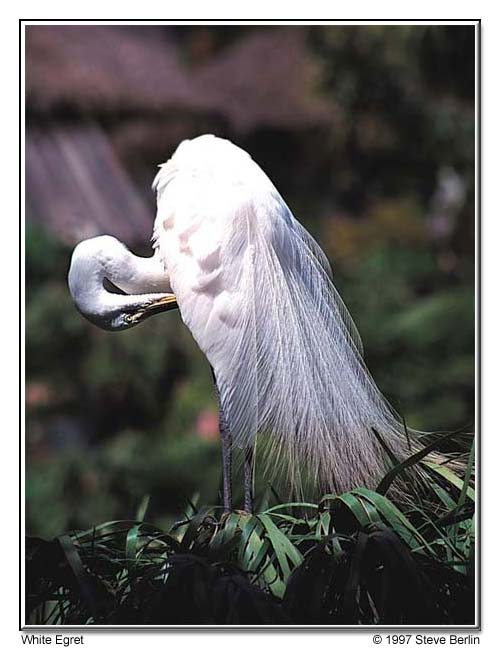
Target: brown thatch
(103, 68)
(77, 188)
(267, 78)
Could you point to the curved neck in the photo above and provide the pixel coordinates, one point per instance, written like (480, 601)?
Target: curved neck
(135, 275)
(144, 280)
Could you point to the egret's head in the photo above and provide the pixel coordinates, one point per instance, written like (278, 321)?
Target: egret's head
(144, 283)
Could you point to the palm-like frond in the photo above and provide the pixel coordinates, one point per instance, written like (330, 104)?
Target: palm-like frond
(353, 558)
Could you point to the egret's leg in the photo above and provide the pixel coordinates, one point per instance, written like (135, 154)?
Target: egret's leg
(227, 453)
(227, 461)
(248, 479)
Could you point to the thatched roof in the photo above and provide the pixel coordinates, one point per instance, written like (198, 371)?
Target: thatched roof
(266, 78)
(76, 179)
(76, 186)
(103, 68)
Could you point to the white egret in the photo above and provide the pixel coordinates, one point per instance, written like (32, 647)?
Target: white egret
(256, 292)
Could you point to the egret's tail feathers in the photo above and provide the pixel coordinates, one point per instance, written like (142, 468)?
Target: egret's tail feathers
(297, 377)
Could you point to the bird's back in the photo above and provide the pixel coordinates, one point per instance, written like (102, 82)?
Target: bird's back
(212, 198)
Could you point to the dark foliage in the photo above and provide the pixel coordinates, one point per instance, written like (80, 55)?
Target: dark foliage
(356, 558)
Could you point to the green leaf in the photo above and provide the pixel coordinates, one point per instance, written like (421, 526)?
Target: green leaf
(452, 478)
(362, 511)
(131, 547)
(386, 482)
(468, 475)
(394, 517)
(75, 562)
(286, 553)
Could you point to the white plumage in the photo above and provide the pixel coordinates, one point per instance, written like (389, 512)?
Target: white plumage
(255, 290)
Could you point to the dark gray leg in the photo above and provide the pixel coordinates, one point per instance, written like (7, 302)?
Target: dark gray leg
(227, 461)
(248, 479)
(227, 455)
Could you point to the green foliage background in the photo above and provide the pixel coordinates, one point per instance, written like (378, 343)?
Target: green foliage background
(113, 417)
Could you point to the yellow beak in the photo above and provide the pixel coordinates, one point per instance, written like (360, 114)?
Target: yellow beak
(156, 306)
